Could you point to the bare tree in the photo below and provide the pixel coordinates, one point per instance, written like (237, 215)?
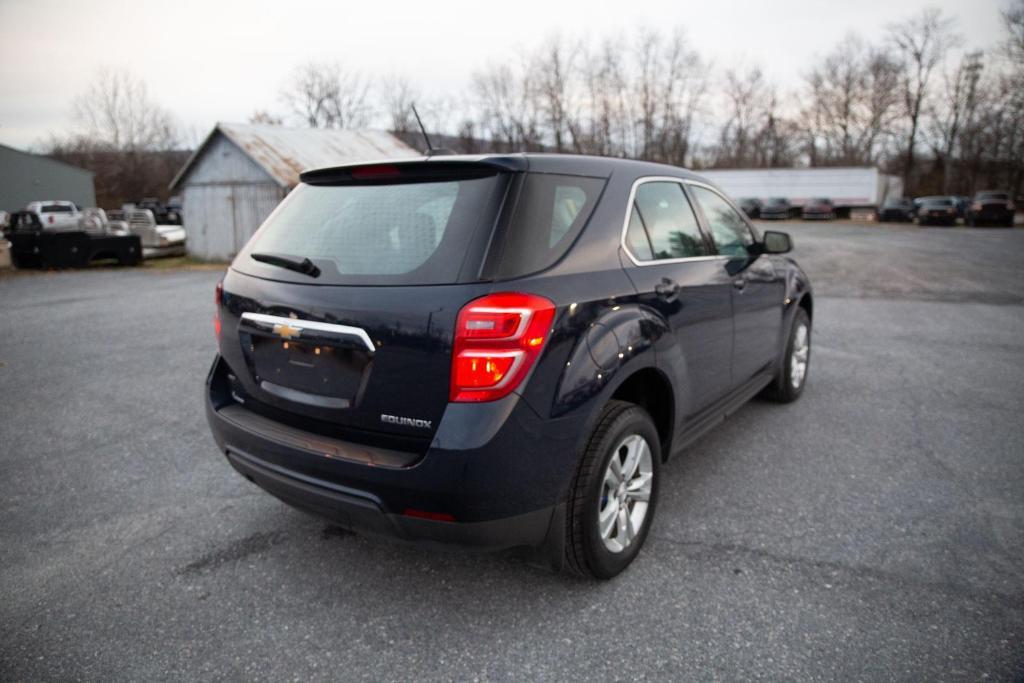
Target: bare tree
(324, 95)
(952, 113)
(922, 42)
(745, 95)
(399, 95)
(508, 110)
(116, 112)
(852, 101)
(554, 78)
(262, 116)
(129, 141)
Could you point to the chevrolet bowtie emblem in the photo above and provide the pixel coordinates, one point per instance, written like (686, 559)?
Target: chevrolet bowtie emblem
(286, 331)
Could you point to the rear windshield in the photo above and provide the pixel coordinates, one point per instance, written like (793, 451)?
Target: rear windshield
(938, 201)
(57, 208)
(411, 233)
(995, 196)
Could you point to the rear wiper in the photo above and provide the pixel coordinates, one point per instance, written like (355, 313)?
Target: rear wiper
(304, 265)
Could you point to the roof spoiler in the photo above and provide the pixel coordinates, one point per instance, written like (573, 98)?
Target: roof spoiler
(427, 169)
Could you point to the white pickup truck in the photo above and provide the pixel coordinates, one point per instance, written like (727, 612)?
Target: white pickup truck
(56, 214)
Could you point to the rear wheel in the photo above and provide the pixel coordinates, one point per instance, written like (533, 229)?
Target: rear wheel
(792, 373)
(613, 496)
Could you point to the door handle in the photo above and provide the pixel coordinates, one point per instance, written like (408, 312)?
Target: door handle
(740, 283)
(667, 289)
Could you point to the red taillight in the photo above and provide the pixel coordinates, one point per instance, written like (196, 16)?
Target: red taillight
(51, 220)
(218, 296)
(497, 339)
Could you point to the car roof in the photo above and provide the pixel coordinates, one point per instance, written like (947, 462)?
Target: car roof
(570, 164)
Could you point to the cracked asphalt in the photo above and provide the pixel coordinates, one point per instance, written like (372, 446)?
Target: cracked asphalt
(874, 530)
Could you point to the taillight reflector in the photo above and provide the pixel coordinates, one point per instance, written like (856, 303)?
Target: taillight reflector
(218, 296)
(434, 516)
(497, 339)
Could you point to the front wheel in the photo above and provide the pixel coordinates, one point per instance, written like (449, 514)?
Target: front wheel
(792, 373)
(613, 496)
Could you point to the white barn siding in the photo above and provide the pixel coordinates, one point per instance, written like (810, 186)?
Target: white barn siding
(220, 218)
(224, 200)
(241, 173)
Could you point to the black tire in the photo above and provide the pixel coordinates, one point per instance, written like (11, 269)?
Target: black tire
(782, 388)
(586, 553)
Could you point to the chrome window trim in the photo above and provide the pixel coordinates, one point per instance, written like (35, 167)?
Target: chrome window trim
(629, 210)
(264, 319)
(698, 215)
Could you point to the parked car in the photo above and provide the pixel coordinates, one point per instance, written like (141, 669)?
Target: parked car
(157, 240)
(963, 205)
(751, 206)
(55, 214)
(937, 211)
(95, 221)
(991, 208)
(818, 208)
(164, 214)
(897, 210)
(175, 212)
(775, 209)
(34, 245)
(456, 368)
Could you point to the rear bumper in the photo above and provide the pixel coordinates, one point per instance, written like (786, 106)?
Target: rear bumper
(357, 511)
(164, 251)
(494, 477)
(991, 216)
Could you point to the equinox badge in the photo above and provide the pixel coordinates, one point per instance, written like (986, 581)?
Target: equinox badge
(404, 421)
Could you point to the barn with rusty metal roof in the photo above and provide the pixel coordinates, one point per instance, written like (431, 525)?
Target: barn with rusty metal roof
(240, 173)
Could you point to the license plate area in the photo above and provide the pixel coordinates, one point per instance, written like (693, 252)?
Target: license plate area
(306, 362)
(313, 368)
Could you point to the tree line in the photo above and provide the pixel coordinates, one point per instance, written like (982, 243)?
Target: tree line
(912, 101)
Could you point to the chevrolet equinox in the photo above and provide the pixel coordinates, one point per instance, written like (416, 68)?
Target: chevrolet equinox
(498, 351)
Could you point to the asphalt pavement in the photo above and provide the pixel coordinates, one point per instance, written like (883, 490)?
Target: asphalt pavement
(873, 530)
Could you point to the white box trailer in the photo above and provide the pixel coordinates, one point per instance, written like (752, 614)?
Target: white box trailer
(848, 188)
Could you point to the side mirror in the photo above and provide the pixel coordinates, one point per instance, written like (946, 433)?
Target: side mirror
(776, 242)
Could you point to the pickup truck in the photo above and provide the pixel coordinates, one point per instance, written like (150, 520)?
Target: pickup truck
(33, 245)
(157, 240)
(55, 214)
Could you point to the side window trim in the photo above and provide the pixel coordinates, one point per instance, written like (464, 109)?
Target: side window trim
(702, 219)
(701, 225)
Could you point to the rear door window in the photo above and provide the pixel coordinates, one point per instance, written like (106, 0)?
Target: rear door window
(662, 213)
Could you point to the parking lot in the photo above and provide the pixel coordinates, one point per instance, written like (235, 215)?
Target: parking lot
(872, 530)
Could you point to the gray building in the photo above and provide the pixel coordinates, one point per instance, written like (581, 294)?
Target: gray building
(240, 173)
(28, 177)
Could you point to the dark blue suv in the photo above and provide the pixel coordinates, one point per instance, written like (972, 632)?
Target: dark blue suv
(498, 351)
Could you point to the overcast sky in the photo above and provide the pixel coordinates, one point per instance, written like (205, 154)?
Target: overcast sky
(209, 61)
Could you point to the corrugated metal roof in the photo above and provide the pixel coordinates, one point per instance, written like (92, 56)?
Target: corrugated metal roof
(284, 153)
